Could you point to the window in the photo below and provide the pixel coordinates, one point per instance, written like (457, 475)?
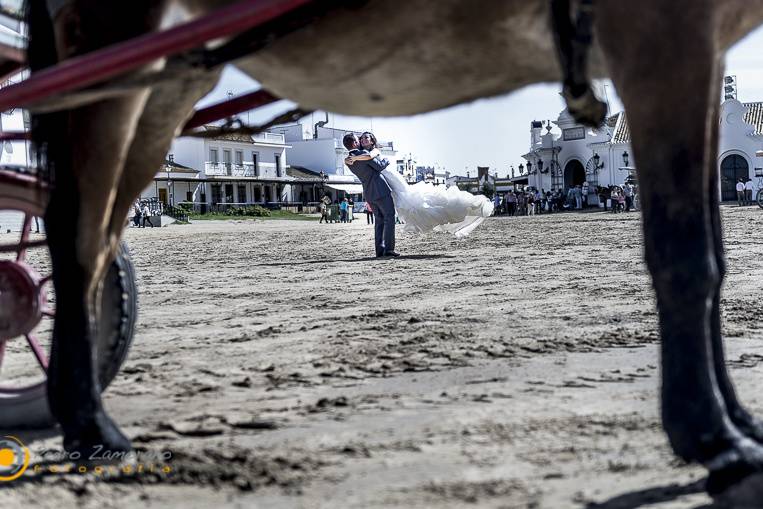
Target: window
(239, 158)
(213, 156)
(257, 194)
(228, 193)
(255, 163)
(241, 198)
(227, 162)
(278, 165)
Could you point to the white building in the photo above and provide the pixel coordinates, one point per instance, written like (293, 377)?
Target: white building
(14, 152)
(604, 157)
(741, 136)
(224, 171)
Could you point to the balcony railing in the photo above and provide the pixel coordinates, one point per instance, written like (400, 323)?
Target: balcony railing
(230, 169)
(246, 169)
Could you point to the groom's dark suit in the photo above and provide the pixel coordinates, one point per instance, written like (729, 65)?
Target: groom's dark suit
(376, 192)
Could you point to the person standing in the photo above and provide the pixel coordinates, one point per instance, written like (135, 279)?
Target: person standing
(343, 211)
(136, 214)
(748, 190)
(324, 211)
(538, 208)
(369, 214)
(740, 193)
(628, 192)
(146, 215)
(511, 203)
(350, 211)
(584, 190)
(530, 203)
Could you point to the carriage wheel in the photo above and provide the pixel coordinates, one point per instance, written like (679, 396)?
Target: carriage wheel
(760, 198)
(27, 307)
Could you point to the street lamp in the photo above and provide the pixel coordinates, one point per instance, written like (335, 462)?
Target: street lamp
(521, 168)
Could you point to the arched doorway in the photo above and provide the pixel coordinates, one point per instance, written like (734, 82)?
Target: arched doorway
(574, 174)
(733, 168)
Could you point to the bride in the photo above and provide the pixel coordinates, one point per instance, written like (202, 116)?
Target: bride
(425, 207)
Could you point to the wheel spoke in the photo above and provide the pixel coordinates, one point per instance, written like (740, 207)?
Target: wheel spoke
(39, 353)
(21, 253)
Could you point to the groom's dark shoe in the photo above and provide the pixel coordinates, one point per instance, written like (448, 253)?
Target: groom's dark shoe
(391, 254)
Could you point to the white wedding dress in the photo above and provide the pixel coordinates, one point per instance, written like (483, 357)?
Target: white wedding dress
(425, 207)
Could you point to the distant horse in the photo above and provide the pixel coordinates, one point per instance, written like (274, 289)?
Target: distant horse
(401, 57)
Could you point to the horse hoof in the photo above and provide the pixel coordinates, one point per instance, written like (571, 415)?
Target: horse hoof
(587, 108)
(745, 494)
(97, 442)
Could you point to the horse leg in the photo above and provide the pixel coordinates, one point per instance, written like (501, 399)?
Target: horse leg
(675, 149)
(85, 150)
(85, 179)
(746, 422)
(573, 46)
(167, 109)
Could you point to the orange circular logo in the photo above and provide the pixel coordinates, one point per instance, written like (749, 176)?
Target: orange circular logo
(14, 458)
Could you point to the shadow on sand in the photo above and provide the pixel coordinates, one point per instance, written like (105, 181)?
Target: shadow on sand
(655, 495)
(356, 260)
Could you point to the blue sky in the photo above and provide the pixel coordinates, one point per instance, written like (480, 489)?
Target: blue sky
(489, 132)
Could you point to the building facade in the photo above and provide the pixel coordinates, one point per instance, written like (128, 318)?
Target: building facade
(603, 157)
(231, 170)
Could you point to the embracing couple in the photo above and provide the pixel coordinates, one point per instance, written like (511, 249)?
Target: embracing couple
(422, 207)
(366, 163)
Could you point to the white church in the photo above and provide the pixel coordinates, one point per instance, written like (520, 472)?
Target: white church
(603, 156)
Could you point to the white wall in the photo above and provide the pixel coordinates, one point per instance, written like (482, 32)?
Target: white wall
(315, 155)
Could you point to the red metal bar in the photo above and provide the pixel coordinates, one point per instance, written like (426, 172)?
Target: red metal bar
(230, 107)
(21, 253)
(14, 136)
(203, 116)
(102, 64)
(39, 352)
(14, 248)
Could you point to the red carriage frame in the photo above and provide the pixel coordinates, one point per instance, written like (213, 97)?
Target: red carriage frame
(23, 191)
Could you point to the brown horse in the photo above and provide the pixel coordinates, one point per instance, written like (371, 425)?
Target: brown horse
(399, 57)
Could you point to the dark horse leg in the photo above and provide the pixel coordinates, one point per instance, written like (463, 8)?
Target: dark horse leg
(84, 150)
(746, 422)
(671, 99)
(573, 44)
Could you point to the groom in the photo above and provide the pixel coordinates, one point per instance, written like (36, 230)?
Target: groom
(376, 192)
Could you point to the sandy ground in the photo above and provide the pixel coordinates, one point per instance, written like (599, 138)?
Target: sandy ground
(282, 367)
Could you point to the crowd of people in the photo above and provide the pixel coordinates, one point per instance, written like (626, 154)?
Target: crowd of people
(744, 192)
(141, 214)
(343, 211)
(530, 201)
